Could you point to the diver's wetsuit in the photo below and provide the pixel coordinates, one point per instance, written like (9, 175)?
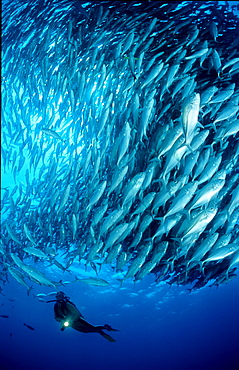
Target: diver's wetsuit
(66, 312)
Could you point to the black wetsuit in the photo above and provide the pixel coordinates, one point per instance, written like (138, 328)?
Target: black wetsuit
(66, 312)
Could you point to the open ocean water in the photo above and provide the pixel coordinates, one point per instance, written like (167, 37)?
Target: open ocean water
(163, 325)
(164, 329)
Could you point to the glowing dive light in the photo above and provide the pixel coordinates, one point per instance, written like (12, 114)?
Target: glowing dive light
(66, 323)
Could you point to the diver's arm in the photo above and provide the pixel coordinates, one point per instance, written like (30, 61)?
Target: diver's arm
(58, 315)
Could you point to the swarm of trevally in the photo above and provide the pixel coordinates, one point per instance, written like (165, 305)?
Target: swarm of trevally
(120, 128)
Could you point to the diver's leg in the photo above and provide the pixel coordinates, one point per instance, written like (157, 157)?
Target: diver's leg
(106, 327)
(100, 327)
(109, 328)
(84, 326)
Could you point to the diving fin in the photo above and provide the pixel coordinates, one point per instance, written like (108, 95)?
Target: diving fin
(107, 336)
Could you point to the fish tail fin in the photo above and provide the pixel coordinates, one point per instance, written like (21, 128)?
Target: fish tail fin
(186, 212)
(100, 265)
(187, 270)
(149, 240)
(163, 180)
(121, 282)
(227, 272)
(171, 264)
(190, 148)
(29, 290)
(201, 267)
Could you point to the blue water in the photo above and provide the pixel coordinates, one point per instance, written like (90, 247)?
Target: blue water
(159, 327)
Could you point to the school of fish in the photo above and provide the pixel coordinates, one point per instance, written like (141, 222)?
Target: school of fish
(120, 136)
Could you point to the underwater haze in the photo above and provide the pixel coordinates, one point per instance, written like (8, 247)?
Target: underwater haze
(120, 185)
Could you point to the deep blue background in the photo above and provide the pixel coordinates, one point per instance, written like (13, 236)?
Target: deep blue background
(160, 327)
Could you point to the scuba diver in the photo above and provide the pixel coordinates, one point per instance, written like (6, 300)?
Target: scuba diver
(68, 315)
